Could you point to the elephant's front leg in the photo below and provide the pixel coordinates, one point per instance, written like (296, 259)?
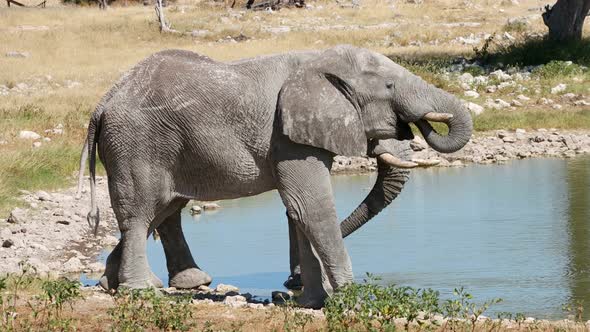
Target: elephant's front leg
(304, 185)
(182, 269)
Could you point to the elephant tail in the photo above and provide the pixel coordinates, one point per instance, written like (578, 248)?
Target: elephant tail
(83, 159)
(91, 142)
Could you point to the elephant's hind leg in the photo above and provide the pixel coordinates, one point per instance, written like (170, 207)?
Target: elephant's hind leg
(110, 278)
(182, 269)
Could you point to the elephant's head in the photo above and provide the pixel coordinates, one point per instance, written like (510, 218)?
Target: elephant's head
(346, 97)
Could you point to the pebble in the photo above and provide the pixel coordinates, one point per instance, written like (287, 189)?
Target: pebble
(224, 289)
(235, 301)
(43, 196)
(472, 94)
(558, 88)
(16, 216)
(7, 243)
(474, 108)
(26, 134)
(195, 209)
(211, 206)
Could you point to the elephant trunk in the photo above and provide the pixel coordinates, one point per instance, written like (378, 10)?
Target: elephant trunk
(389, 183)
(460, 126)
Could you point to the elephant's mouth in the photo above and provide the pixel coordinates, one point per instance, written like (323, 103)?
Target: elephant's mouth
(390, 158)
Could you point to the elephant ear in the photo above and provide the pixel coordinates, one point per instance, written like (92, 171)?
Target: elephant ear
(316, 107)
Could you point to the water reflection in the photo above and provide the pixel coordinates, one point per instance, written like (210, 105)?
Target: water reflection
(578, 180)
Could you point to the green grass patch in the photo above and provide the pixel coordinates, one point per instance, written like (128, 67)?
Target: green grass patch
(534, 119)
(48, 167)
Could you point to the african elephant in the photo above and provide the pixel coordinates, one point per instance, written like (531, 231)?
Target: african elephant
(181, 126)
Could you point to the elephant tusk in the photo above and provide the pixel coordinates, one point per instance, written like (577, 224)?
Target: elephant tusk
(437, 117)
(394, 161)
(426, 162)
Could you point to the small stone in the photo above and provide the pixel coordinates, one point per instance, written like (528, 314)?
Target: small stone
(43, 196)
(204, 288)
(556, 107)
(523, 98)
(26, 134)
(16, 216)
(491, 88)
(568, 95)
(211, 206)
(545, 101)
(581, 103)
(466, 78)
(474, 108)
(558, 88)
(516, 103)
(37, 144)
(195, 209)
(457, 163)
(7, 243)
(73, 265)
(224, 289)
(472, 94)
(502, 103)
(520, 131)
(509, 139)
(16, 54)
(256, 305)
(200, 33)
(500, 75)
(235, 301)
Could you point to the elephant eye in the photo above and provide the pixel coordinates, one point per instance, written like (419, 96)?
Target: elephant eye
(389, 85)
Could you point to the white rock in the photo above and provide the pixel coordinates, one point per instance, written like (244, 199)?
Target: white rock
(581, 103)
(508, 36)
(556, 107)
(474, 108)
(500, 75)
(465, 86)
(195, 209)
(491, 88)
(37, 144)
(224, 289)
(17, 216)
(569, 95)
(73, 265)
(26, 134)
(46, 139)
(235, 301)
(558, 88)
(256, 305)
(43, 196)
(472, 94)
(480, 80)
(523, 98)
(516, 103)
(211, 206)
(466, 78)
(502, 103)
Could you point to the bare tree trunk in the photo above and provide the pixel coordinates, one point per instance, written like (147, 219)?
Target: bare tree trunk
(103, 4)
(164, 26)
(565, 19)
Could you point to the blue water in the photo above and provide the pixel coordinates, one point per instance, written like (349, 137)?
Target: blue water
(519, 231)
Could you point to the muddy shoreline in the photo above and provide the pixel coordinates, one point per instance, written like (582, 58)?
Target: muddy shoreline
(52, 235)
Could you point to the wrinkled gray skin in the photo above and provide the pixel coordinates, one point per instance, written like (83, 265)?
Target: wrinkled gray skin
(388, 185)
(180, 126)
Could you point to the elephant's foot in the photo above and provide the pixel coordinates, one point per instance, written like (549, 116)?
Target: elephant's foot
(190, 278)
(312, 301)
(111, 281)
(294, 282)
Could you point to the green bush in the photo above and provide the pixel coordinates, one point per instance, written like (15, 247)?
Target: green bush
(141, 309)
